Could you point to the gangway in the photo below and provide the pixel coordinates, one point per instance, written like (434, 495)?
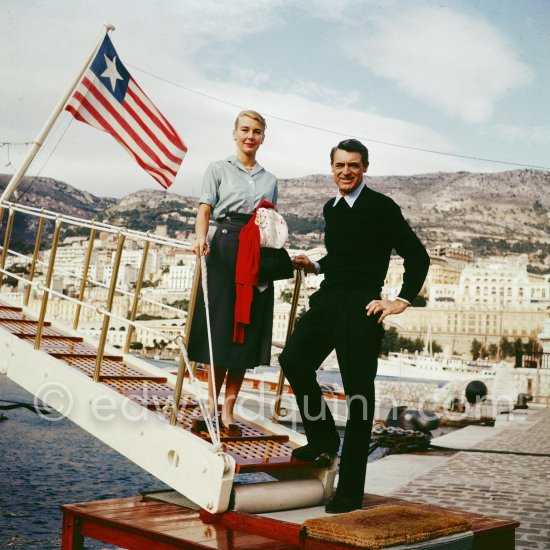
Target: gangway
(142, 411)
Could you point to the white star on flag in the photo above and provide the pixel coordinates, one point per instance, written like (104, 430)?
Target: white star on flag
(110, 72)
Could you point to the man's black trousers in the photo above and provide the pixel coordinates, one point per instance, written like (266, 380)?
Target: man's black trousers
(337, 319)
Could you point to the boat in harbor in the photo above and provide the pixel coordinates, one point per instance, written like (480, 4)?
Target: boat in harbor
(428, 368)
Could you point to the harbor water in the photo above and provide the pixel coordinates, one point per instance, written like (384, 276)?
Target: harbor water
(44, 464)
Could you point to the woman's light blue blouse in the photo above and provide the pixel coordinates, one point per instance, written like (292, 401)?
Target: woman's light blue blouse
(228, 187)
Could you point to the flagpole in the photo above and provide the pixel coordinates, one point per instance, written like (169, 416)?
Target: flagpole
(51, 120)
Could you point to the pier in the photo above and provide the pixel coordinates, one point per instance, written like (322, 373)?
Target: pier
(504, 472)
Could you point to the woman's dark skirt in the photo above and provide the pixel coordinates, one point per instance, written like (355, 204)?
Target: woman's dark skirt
(221, 265)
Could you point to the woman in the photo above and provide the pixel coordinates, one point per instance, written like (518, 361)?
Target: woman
(232, 189)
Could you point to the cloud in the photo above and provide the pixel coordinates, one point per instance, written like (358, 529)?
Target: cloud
(514, 134)
(456, 62)
(43, 51)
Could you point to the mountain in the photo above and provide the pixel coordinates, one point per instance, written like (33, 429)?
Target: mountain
(55, 195)
(52, 195)
(493, 213)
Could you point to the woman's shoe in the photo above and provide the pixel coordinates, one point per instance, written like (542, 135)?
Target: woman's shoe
(199, 424)
(231, 430)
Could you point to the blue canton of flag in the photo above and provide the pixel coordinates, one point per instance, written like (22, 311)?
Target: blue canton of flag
(109, 99)
(113, 73)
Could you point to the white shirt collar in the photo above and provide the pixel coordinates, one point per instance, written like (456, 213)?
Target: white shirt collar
(351, 197)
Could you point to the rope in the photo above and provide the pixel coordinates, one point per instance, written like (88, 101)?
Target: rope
(204, 277)
(101, 309)
(37, 175)
(202, 398)
(336, 132)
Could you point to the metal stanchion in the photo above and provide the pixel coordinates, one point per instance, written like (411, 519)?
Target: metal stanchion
(49, 275)
(289, 331)
(109, 305)
(84, 279)
(7, 238)
(137, 295)
(181, 368)
(32, 269)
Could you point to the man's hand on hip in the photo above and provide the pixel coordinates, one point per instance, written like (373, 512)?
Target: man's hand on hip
(387, 307)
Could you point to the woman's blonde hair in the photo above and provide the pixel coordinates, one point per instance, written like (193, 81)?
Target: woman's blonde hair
(253, 115)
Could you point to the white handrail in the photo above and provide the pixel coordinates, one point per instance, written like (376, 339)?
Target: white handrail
(80, 222)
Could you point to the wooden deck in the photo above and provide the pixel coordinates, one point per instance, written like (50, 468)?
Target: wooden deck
(138, 523)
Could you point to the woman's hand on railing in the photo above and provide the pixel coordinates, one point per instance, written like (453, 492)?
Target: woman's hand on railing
(201, 247)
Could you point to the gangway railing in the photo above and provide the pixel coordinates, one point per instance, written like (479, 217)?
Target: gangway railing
(264, 446)
(122, 234)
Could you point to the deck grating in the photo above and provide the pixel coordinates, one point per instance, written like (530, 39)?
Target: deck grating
(27, 328)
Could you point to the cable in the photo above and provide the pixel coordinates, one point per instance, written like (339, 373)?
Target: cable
(338, 133)
(20, 196)
(2, 143)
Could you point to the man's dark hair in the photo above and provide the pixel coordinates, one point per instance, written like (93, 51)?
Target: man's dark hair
(351, 146)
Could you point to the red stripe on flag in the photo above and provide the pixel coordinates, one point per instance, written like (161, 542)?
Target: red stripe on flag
(163, 125)
(129, 130)
(152, 135)
(108, 128)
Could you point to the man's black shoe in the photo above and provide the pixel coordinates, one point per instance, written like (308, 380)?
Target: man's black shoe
(316, 453)
(340, 505)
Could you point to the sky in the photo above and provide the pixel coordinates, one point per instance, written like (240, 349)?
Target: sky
(466, 78)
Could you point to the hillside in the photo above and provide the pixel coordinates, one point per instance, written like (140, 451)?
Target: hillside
(493, 213)
(51, 195)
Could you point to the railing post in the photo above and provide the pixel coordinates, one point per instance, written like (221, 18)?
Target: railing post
(181, 368)
(49, 275)
(7, 237)
(106, 318)
(137, 293)
(84, 279)
(289, 330)
(32, 269)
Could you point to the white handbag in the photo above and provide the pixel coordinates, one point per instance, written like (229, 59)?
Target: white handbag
(273, 228)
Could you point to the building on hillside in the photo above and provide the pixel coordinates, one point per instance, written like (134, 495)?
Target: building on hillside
(281, 315)
(151, 339)
(493, 298)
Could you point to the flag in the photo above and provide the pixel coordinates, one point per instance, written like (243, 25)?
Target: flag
(109, 99)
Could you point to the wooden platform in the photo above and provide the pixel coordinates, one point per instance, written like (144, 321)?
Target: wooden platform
(257, 450)
(139, 524)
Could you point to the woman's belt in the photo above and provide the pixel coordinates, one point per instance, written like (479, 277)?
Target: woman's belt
(234, 217)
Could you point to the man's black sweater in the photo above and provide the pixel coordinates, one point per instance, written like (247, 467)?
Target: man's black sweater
(359, 242)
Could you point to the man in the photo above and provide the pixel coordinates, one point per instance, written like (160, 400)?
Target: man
(362, 228)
